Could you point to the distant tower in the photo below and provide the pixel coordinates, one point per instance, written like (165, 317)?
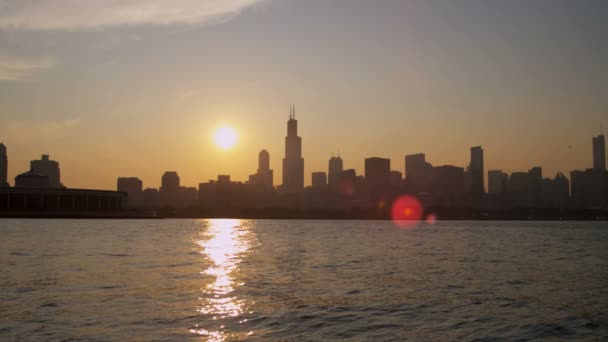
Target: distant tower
(49, 168)
(599, 153)
(3, 166)
(477, 173)
(169, 189)
(335, 171)
(293, 163)
(265, 174)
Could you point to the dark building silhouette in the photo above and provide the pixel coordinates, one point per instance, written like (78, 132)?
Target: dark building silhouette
(47, 201)
(319, 180)
(49, 168)
(293, 163)
(3, 167)
(151, 198)
(348, 183)
(448, 187)
(334, 172)
(224, 194)
(133, 186)
(396, 179)
(377, 172)
(497, 182)
(536, 179)
(555, 193)
(170, 189)
(599, 153)
(264, 175)
(476, 173)
(32, 180)
(589, 189)
(417, 173)
(377, 179)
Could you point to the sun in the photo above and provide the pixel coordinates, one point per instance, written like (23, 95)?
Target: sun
(225, 137)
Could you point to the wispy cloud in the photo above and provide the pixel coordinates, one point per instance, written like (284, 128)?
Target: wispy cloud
(21, 69)
(93, 14)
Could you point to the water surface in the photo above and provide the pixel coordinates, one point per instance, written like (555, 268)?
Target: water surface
(226, 280)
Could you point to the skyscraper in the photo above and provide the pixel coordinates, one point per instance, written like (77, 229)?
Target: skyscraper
(377, 176)
(265, 174)
(319, 180)
(169, 190)
(49, 168)
(599, 153)
(334, 172)
(477, 174)
(3, 166)
(497, 182)
(293, 163)
(417, 173)
(133, 186)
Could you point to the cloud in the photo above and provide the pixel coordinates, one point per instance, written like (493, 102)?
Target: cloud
(21, 69)
(93, 14)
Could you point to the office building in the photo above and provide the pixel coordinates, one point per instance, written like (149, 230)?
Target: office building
(49, 168)
(599, 153)
(133, 186)
(293, 163)
(3, 167)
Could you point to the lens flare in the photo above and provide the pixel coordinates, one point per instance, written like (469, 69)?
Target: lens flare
(407, 211)
(431, 218)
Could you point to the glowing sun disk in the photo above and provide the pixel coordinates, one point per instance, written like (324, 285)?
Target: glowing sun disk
(225, 137)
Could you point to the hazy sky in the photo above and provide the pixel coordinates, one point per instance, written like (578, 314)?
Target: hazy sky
(115, 88)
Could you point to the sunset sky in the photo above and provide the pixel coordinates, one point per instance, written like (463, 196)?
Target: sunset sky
(137, 87)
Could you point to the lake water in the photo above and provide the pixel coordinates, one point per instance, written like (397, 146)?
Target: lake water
(296, 280)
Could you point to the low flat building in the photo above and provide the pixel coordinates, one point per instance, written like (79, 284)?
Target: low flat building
(60, 200)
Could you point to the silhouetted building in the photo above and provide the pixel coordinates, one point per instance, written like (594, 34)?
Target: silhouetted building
(223, 194)
(377, 172)
(170, 189)
(348, 183)
(377, 178)
(293, 163)
(476, 173)
(151, 198)
(133, 186)
(3, 167)
(396, 179)
(32, 180)
(448, 186)
(589, 189)
(555, 192)
(536, 179)
(264, 175)
(334, 172)
(599, 153)
(417, 173)
(188, 197)
(519, 189)
(497, 182)
(49, 168)
(46, 201)
(319, 180)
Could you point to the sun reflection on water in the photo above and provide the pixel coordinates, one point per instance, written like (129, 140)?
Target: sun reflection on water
(224, 243)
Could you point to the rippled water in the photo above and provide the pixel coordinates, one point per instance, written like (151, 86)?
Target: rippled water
(302, 280)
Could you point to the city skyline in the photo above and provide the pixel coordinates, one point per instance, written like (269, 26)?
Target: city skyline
(295, 180)
(140, 95)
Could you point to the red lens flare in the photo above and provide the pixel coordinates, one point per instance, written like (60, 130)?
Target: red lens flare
(407, 211)
(431, 218)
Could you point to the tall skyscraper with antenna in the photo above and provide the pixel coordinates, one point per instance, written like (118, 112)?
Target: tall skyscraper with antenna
(293, 163)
